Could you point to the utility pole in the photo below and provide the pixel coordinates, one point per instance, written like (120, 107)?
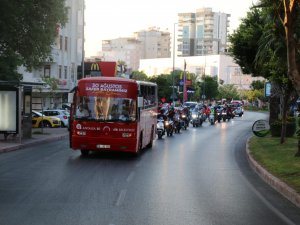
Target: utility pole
(173, 92)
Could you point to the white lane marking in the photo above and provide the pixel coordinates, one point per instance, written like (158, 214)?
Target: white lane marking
(130, 176)
(121, 197)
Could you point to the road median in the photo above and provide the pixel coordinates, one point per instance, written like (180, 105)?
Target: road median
(276, 165)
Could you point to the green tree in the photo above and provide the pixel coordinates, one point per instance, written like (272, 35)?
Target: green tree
(257, 85)
(28, 29)
(228, 91)
(209, 87)
(261, 32)
(244, 42)
(164, 86)
(138, 75)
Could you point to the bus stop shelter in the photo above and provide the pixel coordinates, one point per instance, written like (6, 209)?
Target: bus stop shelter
(15, 108)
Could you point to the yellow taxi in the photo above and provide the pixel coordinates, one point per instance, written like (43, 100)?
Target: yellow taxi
(40, 120)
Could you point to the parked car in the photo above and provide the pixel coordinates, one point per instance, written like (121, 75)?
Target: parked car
(39, 120)
(63, 115)
(66, 106)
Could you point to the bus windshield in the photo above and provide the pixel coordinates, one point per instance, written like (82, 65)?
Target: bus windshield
(107, 109)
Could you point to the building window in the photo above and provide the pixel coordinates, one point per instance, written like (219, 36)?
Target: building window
(66, 43)
(60, 42)
(66, 72)
(59, 72)
(47, 70)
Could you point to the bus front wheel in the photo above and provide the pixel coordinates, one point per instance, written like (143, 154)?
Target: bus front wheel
(85, 152)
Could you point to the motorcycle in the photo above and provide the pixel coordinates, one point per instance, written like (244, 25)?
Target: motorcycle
(225, 115)
(169, 127)
(160, 128)
(212, 119)
(219, 114)
(178, 123)
(213, 116)
(185, 120)
(202, 116)
(195, 120)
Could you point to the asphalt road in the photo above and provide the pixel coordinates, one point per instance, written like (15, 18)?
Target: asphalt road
(200, 176)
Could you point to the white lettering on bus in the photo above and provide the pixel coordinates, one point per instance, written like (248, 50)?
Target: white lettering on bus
(89, 128)
(106, 88)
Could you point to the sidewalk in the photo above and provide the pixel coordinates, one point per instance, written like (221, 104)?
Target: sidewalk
(49, 134)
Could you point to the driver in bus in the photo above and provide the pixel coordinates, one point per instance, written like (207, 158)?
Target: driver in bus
(125, 110)
(81, 111)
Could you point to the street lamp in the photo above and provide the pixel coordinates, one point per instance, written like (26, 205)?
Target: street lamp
(173, 93)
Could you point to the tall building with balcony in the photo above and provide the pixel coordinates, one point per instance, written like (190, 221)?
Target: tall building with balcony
(145, 44)
(202, 33)
(67, 54)
(155, 43)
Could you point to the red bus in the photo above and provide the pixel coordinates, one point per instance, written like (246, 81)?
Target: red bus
(112, 114)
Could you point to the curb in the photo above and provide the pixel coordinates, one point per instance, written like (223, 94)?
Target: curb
(32, 143)
(274, 182)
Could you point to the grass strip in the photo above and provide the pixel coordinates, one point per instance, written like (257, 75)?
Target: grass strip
(278, 159)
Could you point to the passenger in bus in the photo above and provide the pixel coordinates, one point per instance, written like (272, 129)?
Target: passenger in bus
(114, 112)
(99, 108)
(81, 111)
(126, 107)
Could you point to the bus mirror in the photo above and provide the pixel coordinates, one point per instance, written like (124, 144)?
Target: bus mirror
(70, 97)
(140, 102)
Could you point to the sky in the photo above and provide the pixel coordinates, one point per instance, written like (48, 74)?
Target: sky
(112, 19)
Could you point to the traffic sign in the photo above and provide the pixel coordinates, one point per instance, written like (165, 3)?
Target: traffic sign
(261, 128)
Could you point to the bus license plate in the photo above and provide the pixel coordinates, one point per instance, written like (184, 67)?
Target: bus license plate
(103, 146)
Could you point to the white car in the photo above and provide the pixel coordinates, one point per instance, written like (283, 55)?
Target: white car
(60, 113)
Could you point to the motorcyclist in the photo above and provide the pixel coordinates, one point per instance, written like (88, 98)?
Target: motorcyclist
(171, 113)
(206, 110)
(185, 116)
(186, 110)
(214, 110)
(228, 110)
(162, 114)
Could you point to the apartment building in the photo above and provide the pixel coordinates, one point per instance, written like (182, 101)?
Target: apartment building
(145, 44)
(67, 54)
(203, 32)
(155, 43)
(126, 49)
